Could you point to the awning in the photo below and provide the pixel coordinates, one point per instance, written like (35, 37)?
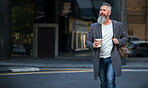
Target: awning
(89, 8)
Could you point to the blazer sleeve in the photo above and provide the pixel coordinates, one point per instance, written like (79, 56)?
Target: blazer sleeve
(123, 37)
(89, 39)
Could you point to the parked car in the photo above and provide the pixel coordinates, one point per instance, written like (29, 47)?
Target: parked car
(138, 48)
(133, 38)
(18, 49)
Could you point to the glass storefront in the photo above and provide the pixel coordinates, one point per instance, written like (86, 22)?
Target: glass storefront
(79, 34)
(80, 42)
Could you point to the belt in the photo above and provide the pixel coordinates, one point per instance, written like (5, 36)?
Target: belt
(105, 58)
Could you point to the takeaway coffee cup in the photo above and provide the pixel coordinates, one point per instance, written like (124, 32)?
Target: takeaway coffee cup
(99, 41)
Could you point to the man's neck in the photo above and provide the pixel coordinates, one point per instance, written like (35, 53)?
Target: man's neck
(108, 22)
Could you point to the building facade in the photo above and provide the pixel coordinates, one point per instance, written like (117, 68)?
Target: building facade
(72, 18)
(137, 12)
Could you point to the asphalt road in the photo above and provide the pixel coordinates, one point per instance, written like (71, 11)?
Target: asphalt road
(70, 78)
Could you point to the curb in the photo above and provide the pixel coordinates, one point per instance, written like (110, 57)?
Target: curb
(50, 66)
(31, 68)
(65, 66)
(36, 69)
(134, 67)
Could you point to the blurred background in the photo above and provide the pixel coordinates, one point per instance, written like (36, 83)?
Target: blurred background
(52, 28)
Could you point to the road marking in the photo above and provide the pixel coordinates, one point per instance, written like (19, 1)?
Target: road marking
(54, 71)
(135, 70)
(22, 73)
(25, 69)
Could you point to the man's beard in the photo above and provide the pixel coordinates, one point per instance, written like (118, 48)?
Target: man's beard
(101, 19)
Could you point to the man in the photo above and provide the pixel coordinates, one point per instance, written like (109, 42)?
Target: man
(106, 59)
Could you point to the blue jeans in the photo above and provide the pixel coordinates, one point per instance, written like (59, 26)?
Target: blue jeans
(106, 73)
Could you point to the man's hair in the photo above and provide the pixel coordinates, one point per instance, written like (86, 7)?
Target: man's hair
(106, 4)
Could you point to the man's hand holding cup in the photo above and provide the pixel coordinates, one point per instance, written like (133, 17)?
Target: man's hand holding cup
(97, 43)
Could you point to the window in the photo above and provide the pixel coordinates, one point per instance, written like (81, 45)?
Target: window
(136, 39)
(142, 45)
(79, 40)
(84, 38)
(146, 46)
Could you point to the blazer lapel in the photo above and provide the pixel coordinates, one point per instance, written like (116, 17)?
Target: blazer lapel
(114, 28)
(99, 31)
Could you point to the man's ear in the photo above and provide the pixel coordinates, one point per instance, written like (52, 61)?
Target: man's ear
(109, 13)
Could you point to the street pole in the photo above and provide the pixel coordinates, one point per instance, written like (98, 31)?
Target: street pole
(124, 21)
(146, 20)
(5, 29)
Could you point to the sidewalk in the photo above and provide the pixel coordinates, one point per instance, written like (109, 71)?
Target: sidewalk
(20, 64)
(60, 62)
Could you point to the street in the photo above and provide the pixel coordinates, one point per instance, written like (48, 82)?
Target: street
(70, 78)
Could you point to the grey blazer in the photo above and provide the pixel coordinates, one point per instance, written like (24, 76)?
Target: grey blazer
(95, 33)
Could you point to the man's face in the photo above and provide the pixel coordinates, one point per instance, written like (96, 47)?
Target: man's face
(104, 11)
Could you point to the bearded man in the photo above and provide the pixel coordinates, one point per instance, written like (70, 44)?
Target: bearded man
(106, 59)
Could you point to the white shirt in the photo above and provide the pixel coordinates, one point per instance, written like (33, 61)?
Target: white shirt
(107, 43)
